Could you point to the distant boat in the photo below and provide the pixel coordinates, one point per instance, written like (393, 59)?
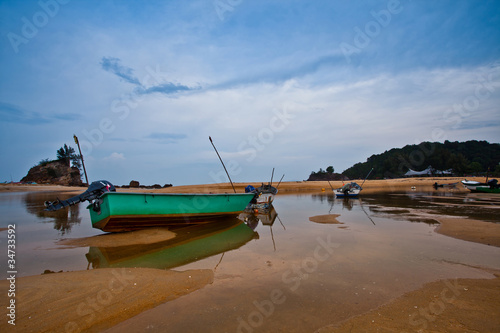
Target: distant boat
(111, 211)
(264, 196)
(350, 190)
(471, 184)
(450, 185)
(488, 187)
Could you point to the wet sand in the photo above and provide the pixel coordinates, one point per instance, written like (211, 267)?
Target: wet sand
(461, 305)
(329, 219)
(470, 230)
(98, 299)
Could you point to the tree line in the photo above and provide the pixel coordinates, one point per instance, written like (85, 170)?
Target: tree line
(463, 158)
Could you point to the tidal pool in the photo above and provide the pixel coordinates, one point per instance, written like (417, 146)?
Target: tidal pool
(277, 271)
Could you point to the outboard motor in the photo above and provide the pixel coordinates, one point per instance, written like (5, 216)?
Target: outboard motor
(93, 192)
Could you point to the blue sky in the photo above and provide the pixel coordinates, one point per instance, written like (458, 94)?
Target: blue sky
(294, 85)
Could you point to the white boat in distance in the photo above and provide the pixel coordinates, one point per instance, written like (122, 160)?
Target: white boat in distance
(264, 195)
(348, 190)
(471, 184)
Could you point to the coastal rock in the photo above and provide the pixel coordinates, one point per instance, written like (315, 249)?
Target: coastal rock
(134, 184)
(55, 172)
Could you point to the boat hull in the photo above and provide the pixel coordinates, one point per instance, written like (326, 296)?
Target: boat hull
(265, 198)
(266, 194)
(485, 189)
(130, 211)
(350, 194)
(477, 187)
(471, 185)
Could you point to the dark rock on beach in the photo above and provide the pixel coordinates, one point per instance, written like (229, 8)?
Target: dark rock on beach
(55, 172)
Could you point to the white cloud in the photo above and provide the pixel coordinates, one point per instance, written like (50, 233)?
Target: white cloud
(115, 157)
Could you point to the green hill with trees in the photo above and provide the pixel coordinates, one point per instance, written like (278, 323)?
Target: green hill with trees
(473, 157)
(464, 158)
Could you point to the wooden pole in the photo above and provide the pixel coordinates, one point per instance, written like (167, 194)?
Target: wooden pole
(222, 164)
(280, 181)
(81, 156)
(366, 177)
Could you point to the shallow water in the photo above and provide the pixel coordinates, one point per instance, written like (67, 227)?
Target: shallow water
(293, 275)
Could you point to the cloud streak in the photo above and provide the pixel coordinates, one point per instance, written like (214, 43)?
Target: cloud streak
(112, 65)
(164, 137)
(14, 114)
(164, 88)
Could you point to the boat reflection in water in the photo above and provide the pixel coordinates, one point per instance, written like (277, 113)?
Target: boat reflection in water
(266, 215)
(191, 243)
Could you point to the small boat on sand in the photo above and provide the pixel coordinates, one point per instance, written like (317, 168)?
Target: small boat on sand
(488, 187)
(264, 195)
(111, 211)
(350, 190)
(471, 184)
(450, 185)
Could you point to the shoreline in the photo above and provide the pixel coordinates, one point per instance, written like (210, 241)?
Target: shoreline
(370, 186)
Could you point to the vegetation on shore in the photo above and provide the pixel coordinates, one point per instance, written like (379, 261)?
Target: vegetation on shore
(463, 158)
(65, 170)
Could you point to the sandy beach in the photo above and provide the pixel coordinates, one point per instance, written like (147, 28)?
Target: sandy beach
(98, 299)
(370, 186)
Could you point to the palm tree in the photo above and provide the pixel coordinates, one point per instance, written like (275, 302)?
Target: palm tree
(66, 154)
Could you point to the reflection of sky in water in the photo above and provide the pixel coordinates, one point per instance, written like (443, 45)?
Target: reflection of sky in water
(325, 271)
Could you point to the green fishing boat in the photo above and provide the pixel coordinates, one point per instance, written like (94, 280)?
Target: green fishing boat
(111, 211)
(127, 211)
(491, 186)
